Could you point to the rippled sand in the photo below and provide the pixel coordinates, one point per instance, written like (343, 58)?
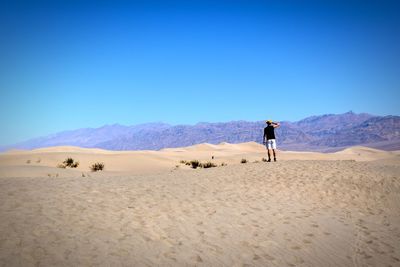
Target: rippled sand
(288, 213)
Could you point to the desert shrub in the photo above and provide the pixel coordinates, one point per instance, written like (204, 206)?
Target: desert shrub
(195, 164)
(264, 160)
(243, 161)
(75, 164)
(209, 165)
(62, 166)
(188, 163)
(223, 164)
(68, 162)
(183, 161)
(98, 166)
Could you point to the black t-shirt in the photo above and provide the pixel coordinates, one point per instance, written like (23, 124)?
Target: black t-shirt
(269, 132)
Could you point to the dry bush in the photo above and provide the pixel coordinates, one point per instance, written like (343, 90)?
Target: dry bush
(98, 166)
(62, 166)
(208, 165)
(195, 164)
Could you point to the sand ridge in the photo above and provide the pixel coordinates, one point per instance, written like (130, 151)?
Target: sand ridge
(42, 162)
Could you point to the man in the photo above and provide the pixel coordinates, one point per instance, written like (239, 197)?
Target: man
(269, 138)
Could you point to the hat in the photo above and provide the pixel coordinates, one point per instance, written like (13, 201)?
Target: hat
(268, 121)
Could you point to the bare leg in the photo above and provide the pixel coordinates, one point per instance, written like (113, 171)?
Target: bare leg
(269, 155)
(273, 150)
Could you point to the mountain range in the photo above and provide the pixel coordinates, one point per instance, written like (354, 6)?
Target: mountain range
(317, 133)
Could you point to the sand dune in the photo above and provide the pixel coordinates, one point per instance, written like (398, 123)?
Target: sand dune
(18, 163)
(307, 209)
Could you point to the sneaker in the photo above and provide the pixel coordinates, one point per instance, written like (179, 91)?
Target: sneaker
(269, 160)
(275, 160)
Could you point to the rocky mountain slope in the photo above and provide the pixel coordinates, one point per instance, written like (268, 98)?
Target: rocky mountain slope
(320, 133)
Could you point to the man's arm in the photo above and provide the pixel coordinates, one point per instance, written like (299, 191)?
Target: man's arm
(276, 124)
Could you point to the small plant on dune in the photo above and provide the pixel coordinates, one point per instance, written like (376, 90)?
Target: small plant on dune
(61, 166)
(69, 162)
(264, 160)
(188, 163)
(183, 162)
(243, 161)
(75, 164)
(98, 166)
(195, 164)
(209, 165)
(223, 164)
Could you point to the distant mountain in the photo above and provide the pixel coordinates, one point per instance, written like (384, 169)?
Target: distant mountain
(319, 133)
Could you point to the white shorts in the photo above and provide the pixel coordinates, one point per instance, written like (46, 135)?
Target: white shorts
(271, 144)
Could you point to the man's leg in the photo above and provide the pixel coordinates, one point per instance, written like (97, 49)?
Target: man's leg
(269, 155)
(273, 150)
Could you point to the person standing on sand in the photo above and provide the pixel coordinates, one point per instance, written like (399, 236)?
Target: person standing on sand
(269, 138)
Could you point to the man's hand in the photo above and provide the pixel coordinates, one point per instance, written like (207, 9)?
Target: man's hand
(276, 124)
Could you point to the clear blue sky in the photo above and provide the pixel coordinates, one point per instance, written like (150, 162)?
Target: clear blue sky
(73, 64)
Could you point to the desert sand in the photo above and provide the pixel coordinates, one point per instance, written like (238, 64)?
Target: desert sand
(147, 209)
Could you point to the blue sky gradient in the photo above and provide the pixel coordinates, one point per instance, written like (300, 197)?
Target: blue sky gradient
(73, 64)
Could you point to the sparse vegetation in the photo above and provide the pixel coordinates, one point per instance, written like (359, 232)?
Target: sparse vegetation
(195, 164)
(208, 165)
(98, 166)
(61, 166)
(243, 161)
(264, 160)
(223, 164)
(69, 162)
(75, 165)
